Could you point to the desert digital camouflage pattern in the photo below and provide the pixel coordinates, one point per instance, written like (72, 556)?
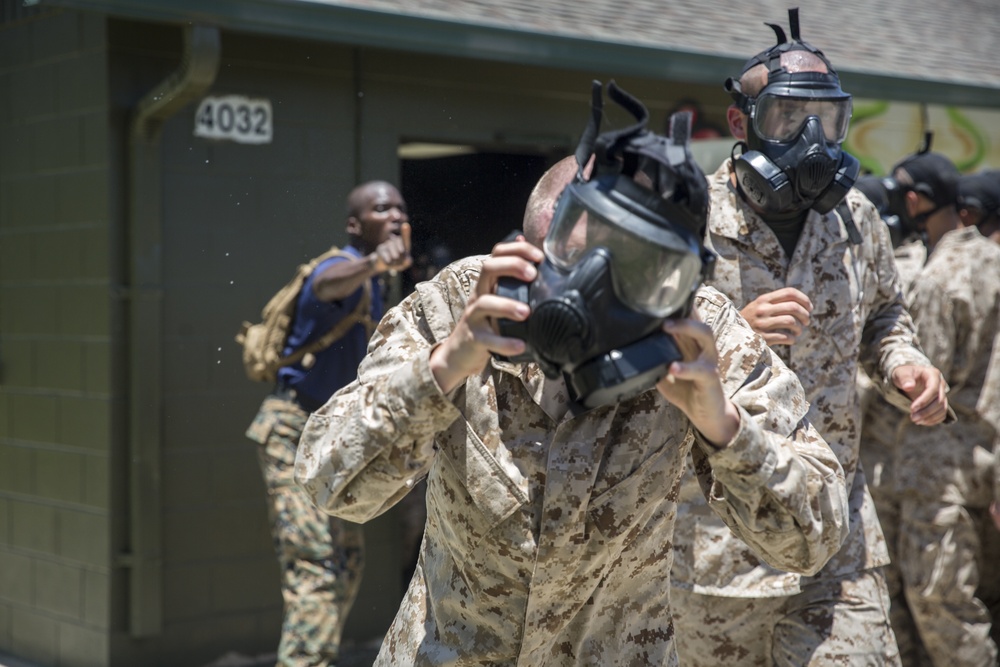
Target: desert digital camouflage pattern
(879, 450)
(857, 306)
(855, 293)
(549, 537)
(721, 635)
(944, 473)
(321, 558)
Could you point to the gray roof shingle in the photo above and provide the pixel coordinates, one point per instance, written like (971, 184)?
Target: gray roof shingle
(921, 39)
(940, 51)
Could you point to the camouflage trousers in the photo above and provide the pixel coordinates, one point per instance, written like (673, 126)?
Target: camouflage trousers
(842, 621)
(940, 565)
(321, 557)
(911, 649)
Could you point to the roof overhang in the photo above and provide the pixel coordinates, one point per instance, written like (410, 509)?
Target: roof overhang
(319, 20)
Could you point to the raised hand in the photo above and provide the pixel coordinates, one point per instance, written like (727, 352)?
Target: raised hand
(466, 351)
(394, 253)
(694, 385)
(779, 316)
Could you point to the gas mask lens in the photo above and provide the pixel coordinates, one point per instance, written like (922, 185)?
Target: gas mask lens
(652, 269)
(780, 118)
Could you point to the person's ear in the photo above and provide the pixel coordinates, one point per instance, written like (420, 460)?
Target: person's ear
(912, 202)
(737, 122)
(353, 226)
(968, 217)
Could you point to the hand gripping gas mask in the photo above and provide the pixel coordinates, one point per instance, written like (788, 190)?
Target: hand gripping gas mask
(792, 158)
(623, 253)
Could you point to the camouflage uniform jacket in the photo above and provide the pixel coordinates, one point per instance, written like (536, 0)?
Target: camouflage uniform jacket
(549, 536)
(856, 304)
(882, 420)
(955, 303)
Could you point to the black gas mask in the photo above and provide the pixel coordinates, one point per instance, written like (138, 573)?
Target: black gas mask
(792, 158)
(901, 224)
(885, 194)
(622, 254)
(925, 173)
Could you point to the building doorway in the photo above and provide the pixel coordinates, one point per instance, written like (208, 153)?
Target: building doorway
(463, 199)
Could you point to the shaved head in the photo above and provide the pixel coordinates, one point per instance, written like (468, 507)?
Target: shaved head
(755, 78)
(360, 196)
(542, 201)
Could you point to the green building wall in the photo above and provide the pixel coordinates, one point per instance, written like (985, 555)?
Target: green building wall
(56, 402)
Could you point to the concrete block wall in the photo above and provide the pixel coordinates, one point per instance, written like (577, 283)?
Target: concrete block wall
(55, 396)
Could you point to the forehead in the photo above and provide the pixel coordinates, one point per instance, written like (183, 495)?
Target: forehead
(380, 194)
(755, 79)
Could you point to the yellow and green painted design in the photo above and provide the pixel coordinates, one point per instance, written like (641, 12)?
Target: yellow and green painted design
(884, 132)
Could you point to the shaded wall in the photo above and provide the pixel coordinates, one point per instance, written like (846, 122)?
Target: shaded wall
(56, 399)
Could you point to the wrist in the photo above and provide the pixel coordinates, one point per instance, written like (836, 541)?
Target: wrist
(375, 265)
(722, 431)
(444, 375)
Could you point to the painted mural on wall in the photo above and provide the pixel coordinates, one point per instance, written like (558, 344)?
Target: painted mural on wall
(883, 132)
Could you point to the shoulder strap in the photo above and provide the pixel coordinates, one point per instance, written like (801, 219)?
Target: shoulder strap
(360, 315)
(844, 211)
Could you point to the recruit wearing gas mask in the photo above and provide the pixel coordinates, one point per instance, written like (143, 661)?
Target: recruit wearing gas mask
(623, 253)
(878, 192)
(926, 173)
(792, 158)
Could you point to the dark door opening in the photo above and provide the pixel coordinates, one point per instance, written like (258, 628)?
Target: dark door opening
(464, 203)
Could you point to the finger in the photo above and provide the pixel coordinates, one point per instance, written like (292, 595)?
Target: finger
(930, 415)
(789, 309)
(783, 308)
(490, 307)
(494, 342)
(404, 232)
(781, 323)
(779, 338)
(904, 379)
(519, 247)
(495, 267)
(791, 295)
(698, 372)
(937, 410)
(927, 396)
(697, 332)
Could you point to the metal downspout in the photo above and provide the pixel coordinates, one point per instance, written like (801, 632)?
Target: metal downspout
(196, 72)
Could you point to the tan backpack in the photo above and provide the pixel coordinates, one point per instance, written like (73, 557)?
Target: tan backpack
(264, 342)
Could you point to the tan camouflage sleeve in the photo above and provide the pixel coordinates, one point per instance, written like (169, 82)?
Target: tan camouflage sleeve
(373, 440)
(934, 316)
(889, 338)
(777, 485)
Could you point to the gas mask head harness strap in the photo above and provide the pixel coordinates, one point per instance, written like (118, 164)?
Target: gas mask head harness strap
(623, 253)
(791, 159)
(641, 171)
(772, 59)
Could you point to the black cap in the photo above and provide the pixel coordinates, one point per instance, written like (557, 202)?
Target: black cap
(874, 189)
(932, 175)
(980, 190)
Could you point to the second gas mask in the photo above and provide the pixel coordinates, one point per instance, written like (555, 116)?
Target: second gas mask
(792, 159)
(622, 254)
